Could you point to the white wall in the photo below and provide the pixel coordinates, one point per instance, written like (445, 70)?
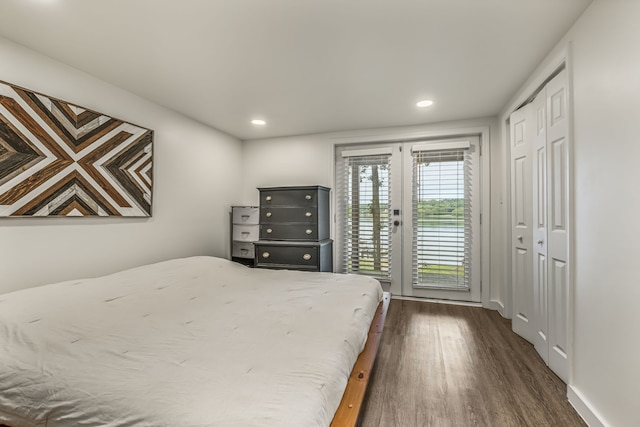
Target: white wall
(309, 160)
(605, 53)
(196, 178)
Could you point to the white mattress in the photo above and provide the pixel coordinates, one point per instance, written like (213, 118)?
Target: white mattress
(188, 342)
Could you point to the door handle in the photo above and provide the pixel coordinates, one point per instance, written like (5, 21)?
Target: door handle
(396, 223)
(540, 242)
(519, 238)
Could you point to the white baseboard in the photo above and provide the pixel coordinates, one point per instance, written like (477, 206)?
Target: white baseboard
(437, 301)
(497, 306)
(584, 409)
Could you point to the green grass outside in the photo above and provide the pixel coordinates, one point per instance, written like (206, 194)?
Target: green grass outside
(442, 269)
(366, 265)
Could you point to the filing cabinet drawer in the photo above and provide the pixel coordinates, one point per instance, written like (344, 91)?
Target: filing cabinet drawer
(245, 233)
(245, 230)
(243, 250)
(245, 215)
(291, 232)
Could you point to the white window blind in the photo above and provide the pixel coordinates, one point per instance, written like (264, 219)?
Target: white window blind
(442, 217)
(364, 207)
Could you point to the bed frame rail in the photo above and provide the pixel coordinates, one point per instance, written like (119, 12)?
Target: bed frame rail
(349, 410)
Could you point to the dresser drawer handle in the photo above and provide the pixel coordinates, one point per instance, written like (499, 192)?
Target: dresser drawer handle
(306, 257)
(309, 231)
(265, 254)
(268, 198)
(268, 214)
(269, 231)
(308, 197)
(308, 214)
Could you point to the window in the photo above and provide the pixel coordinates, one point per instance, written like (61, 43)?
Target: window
(364, 209)
(442, 215)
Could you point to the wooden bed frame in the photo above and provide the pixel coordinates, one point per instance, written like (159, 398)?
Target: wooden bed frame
(349, 410)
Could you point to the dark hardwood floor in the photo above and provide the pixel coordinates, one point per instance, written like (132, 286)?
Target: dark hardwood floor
(450, 365)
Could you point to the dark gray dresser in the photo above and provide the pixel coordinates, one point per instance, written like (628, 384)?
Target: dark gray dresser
(294, 229)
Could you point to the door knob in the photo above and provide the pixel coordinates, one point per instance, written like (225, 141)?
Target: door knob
(540, 242)
(519, 238)
(396, 223)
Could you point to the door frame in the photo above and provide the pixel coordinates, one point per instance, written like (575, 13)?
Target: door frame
(479, 128)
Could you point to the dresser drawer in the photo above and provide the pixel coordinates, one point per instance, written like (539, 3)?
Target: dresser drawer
(287, 197)
(292, 232)
(270, 214)
(302, 256)
(246, 215)
(245, 233)
(288, 255)
(243, 250)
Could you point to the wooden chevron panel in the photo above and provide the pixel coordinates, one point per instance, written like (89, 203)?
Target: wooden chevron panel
(58, 159)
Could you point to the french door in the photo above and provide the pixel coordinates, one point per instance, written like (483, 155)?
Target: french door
(408, 214)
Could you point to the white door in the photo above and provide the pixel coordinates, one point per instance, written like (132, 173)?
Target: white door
(441, 226)
(540, 290)
(408, 215)
(558, 223)
(521, 222)
(368, 238)
(540, 232)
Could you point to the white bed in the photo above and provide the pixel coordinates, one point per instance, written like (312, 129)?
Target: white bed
(189, 342)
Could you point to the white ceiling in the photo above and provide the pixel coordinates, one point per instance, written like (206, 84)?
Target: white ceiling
(305, 66)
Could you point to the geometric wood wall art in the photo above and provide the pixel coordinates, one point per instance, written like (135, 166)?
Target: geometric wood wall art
(58, 159)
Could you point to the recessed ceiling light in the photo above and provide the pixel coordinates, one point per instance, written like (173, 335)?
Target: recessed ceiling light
(258, 122)
(424, 103)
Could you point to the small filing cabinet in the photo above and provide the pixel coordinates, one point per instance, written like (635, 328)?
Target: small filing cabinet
(245, 230)
(294, 229)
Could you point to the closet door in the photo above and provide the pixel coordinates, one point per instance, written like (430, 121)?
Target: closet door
(540, 223)
(540, 294)
(521, 123)
(558, 223)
